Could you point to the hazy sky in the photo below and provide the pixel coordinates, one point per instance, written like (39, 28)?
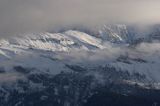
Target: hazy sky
(40, 15)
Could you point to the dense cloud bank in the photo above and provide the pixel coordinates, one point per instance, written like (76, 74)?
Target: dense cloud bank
(38, 15)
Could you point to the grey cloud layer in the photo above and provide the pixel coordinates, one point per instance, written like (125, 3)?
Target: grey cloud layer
(38, 15)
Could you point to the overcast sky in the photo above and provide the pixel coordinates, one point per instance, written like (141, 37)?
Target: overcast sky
(40, 15)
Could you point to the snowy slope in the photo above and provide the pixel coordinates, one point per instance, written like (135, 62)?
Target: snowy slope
(115, 33)
(58, 41)
(121, 33)
(39, 50)
(85, 38)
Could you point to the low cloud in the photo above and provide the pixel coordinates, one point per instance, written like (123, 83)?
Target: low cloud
(10, 77)
(111, 53)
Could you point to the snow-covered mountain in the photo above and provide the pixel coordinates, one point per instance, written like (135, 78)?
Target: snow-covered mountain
(115, 33)
(121, 33)
(49, 49)
(79, 62)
